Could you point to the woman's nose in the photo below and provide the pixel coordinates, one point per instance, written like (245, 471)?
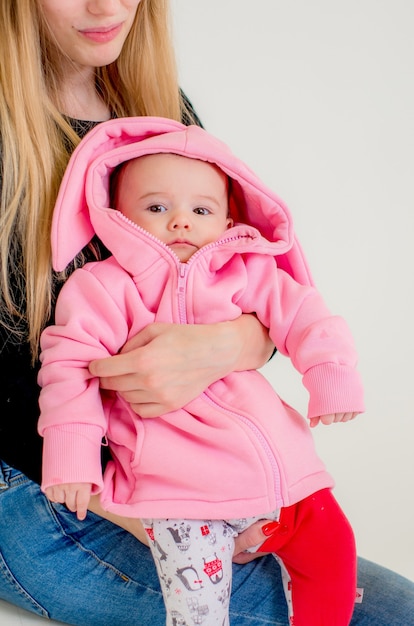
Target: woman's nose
(103, 7)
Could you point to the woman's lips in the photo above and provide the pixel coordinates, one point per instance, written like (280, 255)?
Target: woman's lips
(102, 34)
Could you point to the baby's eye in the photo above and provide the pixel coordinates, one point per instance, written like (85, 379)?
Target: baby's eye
(200, 210)
(157, 208)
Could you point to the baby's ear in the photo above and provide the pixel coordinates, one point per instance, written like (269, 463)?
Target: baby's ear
(230, 222)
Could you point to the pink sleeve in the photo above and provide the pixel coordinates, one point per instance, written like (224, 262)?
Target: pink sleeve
(72, 454)
(89, 325)
(319, 344)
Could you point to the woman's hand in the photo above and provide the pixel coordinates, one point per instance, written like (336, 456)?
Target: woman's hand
(253, 536)
(165, 366)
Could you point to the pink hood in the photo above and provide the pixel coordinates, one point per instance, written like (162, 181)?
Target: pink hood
(83, 205)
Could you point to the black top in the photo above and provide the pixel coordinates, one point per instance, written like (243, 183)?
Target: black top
(20, 444)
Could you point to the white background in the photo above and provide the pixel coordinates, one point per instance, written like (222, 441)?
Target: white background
(318, 98)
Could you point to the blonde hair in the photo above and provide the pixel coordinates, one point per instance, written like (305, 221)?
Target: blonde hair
(36, 140)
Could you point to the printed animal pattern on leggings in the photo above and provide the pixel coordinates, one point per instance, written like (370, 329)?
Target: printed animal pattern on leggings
(194, 564)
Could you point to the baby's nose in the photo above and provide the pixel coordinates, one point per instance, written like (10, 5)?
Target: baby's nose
(181, 220)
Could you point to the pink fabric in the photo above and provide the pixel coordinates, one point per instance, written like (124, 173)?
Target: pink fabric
(236, 450)
(119, 140)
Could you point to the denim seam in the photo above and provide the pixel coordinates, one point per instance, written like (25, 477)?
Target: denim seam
(8, 575)
(8, 480)
(121, 575)
(126, 579)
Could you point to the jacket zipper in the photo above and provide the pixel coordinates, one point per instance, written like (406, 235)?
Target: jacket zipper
(262, 440)
(256, 432)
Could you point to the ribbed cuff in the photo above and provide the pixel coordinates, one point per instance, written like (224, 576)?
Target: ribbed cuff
(333, 389)
(72, 454)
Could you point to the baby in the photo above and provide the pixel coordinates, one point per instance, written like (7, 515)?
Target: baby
(196, 238)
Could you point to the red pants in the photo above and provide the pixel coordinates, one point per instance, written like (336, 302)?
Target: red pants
(316, 544)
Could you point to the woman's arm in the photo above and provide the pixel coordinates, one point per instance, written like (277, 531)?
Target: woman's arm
(165, 366)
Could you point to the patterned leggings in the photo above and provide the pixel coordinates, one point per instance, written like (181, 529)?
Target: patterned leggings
(314, 546)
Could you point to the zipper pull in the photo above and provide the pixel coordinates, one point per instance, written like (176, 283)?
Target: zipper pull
(181, 289)
(182, 271)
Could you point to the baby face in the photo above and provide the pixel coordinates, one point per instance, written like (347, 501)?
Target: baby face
(181, 201)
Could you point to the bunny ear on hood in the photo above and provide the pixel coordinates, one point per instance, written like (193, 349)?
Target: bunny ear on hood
(72, 229)
(84, 195)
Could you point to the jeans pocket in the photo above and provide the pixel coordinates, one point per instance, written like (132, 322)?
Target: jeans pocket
(10, 477)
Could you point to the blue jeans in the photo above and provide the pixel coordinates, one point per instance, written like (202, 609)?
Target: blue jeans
(93, 573)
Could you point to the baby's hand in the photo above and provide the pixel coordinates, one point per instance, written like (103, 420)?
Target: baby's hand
(332, 418)
(76, 496)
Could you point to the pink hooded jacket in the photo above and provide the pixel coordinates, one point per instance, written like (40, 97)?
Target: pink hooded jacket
(237, 449)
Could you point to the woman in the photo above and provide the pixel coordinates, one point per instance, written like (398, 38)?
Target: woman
(97, 59)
